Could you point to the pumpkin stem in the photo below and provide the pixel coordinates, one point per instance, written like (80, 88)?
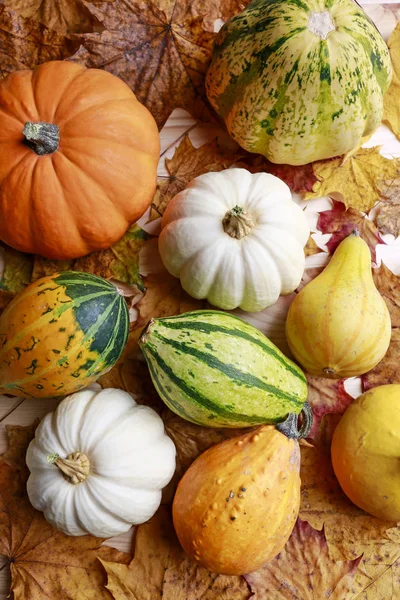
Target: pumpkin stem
(42, 138)
(321, 24)
(75, 468)
(237, 223)
(290, 426)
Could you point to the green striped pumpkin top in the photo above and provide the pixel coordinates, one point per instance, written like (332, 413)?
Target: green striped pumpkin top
(299, 80)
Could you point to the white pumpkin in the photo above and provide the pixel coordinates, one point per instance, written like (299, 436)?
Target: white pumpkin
(98, 463)
(235, 238)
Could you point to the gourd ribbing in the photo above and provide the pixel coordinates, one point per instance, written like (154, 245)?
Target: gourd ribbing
(42, 138)
(237, 223)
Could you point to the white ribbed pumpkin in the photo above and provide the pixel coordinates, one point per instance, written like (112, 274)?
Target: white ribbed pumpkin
(235, 238)
(98, 463)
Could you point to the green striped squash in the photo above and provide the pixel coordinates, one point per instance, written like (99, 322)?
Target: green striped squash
(299, 80)
(60, 334)
(214, 369)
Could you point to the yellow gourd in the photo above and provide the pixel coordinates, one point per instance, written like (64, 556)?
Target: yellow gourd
(366, 452)
(339, 325)
(237, 504)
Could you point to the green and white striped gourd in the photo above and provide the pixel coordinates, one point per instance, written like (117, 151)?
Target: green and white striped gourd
(214, 369)
(299, 80)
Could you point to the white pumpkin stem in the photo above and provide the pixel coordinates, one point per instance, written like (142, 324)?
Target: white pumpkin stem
(42, 138)
(237, 223)
(75, 468)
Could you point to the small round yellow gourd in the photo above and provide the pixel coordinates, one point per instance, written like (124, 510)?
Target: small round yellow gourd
(366, 452)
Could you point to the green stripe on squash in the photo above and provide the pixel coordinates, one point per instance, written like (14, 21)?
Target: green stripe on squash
(214, 369)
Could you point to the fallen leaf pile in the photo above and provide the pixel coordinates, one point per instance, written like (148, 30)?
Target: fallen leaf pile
(161, 49)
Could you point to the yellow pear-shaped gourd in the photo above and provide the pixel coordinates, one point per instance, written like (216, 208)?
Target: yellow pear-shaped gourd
(339, 325)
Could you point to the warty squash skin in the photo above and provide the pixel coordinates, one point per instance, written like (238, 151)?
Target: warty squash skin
(299, 81)
(366, 452)
(339, 325)
(78, 156)
(237, 504)
(60, 334)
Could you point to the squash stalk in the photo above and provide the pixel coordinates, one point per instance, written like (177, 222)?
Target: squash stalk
(237, 223)
(75, 468)
(290, 428)
(42, 138)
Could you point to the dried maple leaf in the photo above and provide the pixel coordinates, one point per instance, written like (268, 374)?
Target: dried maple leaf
(326, 396)
(387, 370)
(388, 218)
(159, 48)
(65, 16)
(43, 561)
(341, 221)
(303, 570)
(17, 270)
(161, 570)
(391, 114)
(388, 285)
(120, 262)
(299, 178)
(18, 437)
(349, 531)
(24, 43)
(311, 247)
(187, 163)
(357, 181)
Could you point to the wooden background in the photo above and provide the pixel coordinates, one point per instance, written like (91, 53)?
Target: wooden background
(271, 321)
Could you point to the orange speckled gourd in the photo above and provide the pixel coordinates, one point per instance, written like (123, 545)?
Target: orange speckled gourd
(237, 504)
(60, 334)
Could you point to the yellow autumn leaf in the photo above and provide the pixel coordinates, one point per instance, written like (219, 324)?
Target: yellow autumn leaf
(358, 180)
(391, 104)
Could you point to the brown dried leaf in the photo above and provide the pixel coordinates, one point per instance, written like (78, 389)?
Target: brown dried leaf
(387, 370)
(341, 222)
(17, 269)
(161, 570)
(299, 178)
(303, 570)
(311, 247)
(43, 561)
(326, 396)
(349, 531)
(65, 16)
(24, 43)
(357, 181)
(159, 48)
(19, 437)
(120, 262)
(187, 163)
(391, 114)
(388, 218)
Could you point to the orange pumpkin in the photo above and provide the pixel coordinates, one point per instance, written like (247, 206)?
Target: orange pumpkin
(78, 159)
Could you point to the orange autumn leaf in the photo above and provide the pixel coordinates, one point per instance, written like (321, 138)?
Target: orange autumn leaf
(311, 247)
(388, 217)
(356, 182)
(161, 570)
(160, 48)
(304, 570)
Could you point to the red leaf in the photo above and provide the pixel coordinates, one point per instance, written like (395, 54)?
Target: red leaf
(341, 222)
(326, 396)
